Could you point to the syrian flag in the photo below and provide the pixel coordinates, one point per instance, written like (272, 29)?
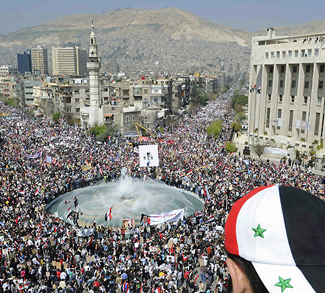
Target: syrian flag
(189, 172)
(309, 181)
(90, 241)
(22, 192)
(17, 219)
(110, 213)
(198, 214)
(100, 169)
(185, 258)
(196, 279)
(210, 219)
(127, 258)
(37, 191)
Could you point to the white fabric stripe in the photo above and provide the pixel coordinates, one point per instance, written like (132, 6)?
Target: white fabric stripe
(270, 274)
(264, 208)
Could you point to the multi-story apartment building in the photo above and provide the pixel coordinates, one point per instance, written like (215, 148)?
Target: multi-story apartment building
(26, 86)
(69, 61)
(6, 70)
(286, 100)
(9, 87)
(39, 60)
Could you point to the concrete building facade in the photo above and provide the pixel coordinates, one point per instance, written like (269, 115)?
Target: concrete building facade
(287, 95)
(39, 60)
(69, 61)
(6, 70)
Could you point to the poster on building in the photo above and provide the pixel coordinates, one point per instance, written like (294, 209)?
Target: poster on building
(148, 155)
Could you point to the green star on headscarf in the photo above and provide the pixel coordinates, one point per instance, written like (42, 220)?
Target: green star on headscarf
(259, 231)
(284, 284)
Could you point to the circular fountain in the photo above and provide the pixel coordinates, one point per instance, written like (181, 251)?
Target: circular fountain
(129, 198)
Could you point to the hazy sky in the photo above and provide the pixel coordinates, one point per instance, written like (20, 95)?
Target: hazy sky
(251, 15)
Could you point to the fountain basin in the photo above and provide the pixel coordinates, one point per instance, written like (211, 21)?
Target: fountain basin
(129, 197)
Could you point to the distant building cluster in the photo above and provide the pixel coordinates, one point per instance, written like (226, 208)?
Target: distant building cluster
(82, 95)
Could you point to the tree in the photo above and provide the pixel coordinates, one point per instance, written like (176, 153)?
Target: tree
(12, 102)
(215, 128)
(238, 102)
(102, 132)
(56, 117)
(198, 98)
(236, 126)
(230, 147)
(259, 149)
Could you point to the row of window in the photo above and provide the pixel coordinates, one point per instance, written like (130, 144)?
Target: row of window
(290, 125)
(293, 98)
(294, 83)
(295, 53)
(295, 68)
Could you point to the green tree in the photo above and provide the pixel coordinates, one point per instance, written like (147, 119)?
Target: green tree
(236, 126)
(198, 97)
(240, 116)
(238, 102)
(230, 147)
(215, 128)
(12, 102)
(102, 132)
(56, 117)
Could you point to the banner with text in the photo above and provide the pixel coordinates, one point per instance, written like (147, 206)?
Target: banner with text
(171, 216)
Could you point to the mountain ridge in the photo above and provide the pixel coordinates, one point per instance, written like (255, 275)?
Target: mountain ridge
(132, 40)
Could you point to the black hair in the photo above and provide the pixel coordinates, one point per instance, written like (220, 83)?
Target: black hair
(249, 270)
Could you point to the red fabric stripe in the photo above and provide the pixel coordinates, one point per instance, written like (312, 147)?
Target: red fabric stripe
(230, 228)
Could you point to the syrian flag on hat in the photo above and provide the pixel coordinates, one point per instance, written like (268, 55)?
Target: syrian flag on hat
(280, 229)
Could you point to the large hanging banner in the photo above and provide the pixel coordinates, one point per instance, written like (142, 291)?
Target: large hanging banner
(275, 151)
(148, 155)
(156, 219)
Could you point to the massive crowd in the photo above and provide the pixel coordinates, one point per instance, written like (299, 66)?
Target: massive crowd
(41, 160)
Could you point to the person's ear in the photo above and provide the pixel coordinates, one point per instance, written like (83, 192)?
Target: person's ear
(239, 279)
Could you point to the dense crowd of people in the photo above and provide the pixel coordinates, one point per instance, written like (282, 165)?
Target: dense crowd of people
(41, 160)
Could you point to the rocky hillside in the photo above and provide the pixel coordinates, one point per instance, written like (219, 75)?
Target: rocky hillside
(133, 38)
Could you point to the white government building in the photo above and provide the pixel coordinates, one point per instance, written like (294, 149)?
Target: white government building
(287, 105)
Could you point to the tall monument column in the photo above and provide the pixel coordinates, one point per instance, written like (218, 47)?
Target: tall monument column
(93, 66)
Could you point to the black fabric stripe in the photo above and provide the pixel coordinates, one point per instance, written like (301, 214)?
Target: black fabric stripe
(304, 219)
(315, 277)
